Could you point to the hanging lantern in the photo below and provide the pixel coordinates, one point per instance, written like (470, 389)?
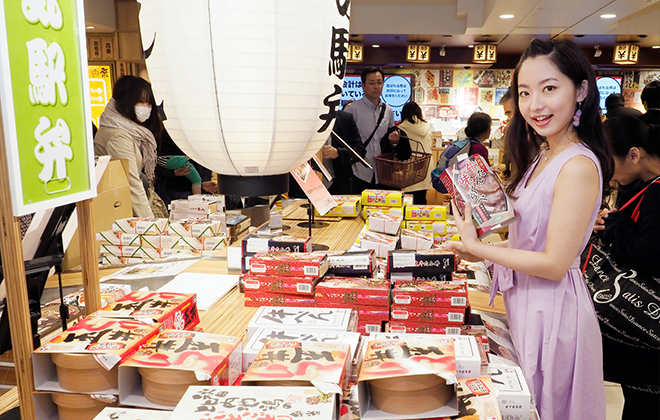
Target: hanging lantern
(250, 89)
(355, 52)
(484, 53)
(418, 53)
(626, 54)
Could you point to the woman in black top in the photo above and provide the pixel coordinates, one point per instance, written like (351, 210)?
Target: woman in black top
(636, 149)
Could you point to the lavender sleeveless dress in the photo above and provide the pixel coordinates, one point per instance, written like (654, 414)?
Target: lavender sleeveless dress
(553, 323)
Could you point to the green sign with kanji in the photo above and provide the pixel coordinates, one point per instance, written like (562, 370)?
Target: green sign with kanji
(45, 103)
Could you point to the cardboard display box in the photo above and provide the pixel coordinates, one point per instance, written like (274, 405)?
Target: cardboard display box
(172, 310)
(387, 198)
(438, 260)
(423, 327)
(211, 357)
(115, 339)
(351, 263)
(432, 315)
(277, 284)
(291, 264)
(431, 293)
(399, 358)
(347, 206)
(514, 397)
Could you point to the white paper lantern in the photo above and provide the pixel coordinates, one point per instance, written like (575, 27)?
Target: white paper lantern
(250, 87)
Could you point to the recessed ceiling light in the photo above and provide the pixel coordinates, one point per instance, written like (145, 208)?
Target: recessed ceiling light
(90, 27)
(507, 16)
(608, 16)
(376, 46)
(470, 46)
(655, 47)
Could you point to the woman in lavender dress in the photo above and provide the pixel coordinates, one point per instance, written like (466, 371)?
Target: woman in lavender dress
(556, 143)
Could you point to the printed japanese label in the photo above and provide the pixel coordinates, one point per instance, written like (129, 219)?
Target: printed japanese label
(403, 259)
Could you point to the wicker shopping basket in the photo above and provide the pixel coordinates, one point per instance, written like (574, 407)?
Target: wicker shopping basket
(400, 174)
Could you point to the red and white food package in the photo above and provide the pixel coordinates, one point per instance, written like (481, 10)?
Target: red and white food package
(472, 180)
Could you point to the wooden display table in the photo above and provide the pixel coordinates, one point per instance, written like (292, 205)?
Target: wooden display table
(229, 316)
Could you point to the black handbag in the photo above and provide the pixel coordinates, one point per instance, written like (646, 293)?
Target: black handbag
(627, 302)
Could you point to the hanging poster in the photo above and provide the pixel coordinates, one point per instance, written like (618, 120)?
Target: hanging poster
(486, 96)
(447, 111)
(456, 96)
(100, 89)
(446, 78)
(432, 95)
(45, 104)
(499, 93)
(484, 78)
(503, 78)
(471, 96)
(429, 111)
(444, 96)
(463, 78)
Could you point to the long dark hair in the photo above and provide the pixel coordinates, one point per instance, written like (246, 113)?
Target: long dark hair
(478, 123)
(130, 90)
(523, 143)
(625, 132)
(412, 112)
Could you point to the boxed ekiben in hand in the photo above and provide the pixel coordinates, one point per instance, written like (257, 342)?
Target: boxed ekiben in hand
(472, 181)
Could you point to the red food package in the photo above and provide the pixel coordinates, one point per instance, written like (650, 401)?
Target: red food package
(472, 180)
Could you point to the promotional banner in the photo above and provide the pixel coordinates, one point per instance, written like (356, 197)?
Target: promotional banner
(45, 103)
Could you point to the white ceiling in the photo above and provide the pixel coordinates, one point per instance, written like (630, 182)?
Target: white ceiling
(468, 21)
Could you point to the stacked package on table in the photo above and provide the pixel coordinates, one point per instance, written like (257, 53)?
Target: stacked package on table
(123, 244)
(261, 335)
(432, 264)
(356, 263)
(283, 278)
(347, 206)
(301, 363)
(369, 297)
(137, 240)
(260, 242)
(383, 211)
(435, 307)
(198, 206)
(172, 310)
(309, 319)
(237, 225)
(157, 375)
(428, 219)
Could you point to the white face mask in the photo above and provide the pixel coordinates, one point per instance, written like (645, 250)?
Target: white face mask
(142, 112)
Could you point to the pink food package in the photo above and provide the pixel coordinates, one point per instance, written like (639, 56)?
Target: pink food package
(472, 180)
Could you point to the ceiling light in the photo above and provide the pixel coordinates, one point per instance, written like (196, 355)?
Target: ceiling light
(375, 46)
(608, 16)
(507, 16)
(442, 51)
(90, 27)
(598, 51)
(470, 46)
(655, 47)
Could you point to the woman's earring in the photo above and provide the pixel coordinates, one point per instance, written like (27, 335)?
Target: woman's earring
(578, 114)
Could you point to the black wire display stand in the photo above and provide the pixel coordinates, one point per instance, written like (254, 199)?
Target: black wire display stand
(311, 223)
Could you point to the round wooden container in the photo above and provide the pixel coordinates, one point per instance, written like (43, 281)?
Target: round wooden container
(82, 373)
(410, 394)
(78, 406)
(167, 386)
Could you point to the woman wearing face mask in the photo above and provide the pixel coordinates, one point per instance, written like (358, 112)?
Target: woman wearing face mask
(129, 127)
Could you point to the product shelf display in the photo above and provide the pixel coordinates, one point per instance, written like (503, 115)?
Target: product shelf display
(354, 287)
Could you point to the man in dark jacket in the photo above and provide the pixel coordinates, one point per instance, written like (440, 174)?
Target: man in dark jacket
(340, 156)
(651, 101)
(616, 107)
